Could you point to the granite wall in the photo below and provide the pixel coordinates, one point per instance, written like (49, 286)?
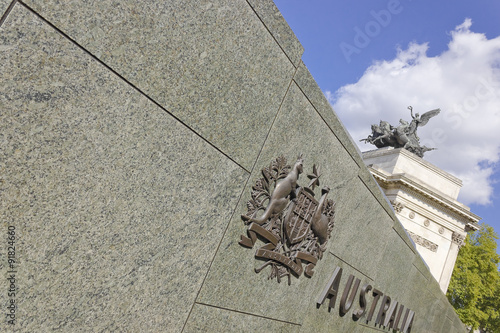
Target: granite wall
(131, 135)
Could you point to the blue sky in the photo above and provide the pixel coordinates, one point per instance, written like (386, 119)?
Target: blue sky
(374, 58)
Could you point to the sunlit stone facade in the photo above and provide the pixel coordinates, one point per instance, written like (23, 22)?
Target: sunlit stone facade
(424, 198)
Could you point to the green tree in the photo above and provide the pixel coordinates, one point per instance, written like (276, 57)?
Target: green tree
(475, 284)
(493, 322)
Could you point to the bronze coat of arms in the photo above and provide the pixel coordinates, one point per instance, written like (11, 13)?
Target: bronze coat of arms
(294, 225)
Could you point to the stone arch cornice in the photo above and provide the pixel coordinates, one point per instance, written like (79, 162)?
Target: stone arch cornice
(399, 181)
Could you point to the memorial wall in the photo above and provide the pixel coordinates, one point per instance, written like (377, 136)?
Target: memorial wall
(173, 167)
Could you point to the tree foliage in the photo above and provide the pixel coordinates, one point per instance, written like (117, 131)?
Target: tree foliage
(474, 289)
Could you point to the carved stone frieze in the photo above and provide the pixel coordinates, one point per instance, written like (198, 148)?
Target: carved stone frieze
(398, 206)
(424, 197)
(423, 242)
(458, 239)
(293, 224)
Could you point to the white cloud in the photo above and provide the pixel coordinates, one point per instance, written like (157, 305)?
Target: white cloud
(463, 81)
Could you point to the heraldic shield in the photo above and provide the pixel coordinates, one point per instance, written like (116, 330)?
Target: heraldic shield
(293, 224)
(299, 217)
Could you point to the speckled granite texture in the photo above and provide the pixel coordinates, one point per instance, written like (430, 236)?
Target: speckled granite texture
(4, 4)
(279, 29)
(120, 207)
(211, 319)
(131, 134)
(211, 63)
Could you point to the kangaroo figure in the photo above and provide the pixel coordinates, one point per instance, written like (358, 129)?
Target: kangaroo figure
(283, 189)
(319, 223)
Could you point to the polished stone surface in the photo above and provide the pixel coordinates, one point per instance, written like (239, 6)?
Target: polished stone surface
(361, 220)
(401, 231)
(279, 29)
(4, 4)
(212, 64)
(119, 206)
(210, 319)
(310, 88)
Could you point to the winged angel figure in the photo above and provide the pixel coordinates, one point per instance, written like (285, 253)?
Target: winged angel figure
(402, 136)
